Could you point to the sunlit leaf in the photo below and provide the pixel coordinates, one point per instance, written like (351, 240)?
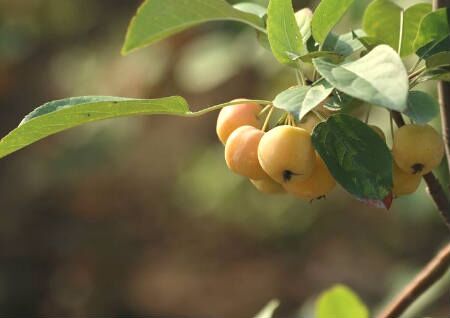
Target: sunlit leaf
(284, 35)
(382, 21)
(57, 116)
(303, 18)
(156, 20)
(433, 27)
(356, 156)
(252, 8)
(378, 78)
(340, 302)
(269, 309)
(326, 16)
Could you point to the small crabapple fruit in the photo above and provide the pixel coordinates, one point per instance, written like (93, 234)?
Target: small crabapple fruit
(417, 149)
(234, 116)
(241, 152)
(286, 153)
(404, 182)
(319, 184)
(268, 186)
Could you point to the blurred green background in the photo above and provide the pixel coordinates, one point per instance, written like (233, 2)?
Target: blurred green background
(140, 216)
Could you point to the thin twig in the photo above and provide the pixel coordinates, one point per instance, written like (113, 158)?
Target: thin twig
(434, 271)
(434, 187)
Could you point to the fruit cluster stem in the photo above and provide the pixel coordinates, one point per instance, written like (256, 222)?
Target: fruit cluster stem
(429, 275)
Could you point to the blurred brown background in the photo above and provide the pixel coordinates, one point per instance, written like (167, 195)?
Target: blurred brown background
(140, 216)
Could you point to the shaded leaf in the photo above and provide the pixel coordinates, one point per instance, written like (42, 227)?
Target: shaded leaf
(378, 78)
(344, 44)
(315, 95)
(356, 156)
(291, 99)
(439, 59)
(434, 47)
(326, 16)
(156, 20)
(422, 107)
(330, 56)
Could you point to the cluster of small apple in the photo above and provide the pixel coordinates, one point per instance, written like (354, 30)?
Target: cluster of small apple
(280, 160)
(283, 158)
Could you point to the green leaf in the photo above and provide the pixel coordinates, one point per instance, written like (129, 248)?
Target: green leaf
(422, 107)
(344, 44)
(356, 156)
(378, 78)
(156, 20)
(269, 309)
(434, 47)
(291, 99)
(439, 59)
(253, 8)
(340, 302)
(284, 35)
(433, 27)
(441, 73)
(315, 95)
(338, 101)
(56, 116)
(303, 18)
(411, 23)
(330, 56)
(326, 16)
(382, 21)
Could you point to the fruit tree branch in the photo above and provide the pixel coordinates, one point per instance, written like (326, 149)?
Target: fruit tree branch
(434, 187)
(444, 95)
(434, 271)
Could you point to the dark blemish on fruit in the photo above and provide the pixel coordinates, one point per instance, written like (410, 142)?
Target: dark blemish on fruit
(418, 167)
(288, 174)
(321, 197)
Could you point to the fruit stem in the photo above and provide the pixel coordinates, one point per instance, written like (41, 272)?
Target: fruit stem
(366, 120)
(391, 124)
(266, 122)
(400, 38)
(264, 110)
(220, 106)
(418, 72)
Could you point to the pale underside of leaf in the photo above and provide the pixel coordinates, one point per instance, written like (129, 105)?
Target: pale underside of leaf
(379, 78)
